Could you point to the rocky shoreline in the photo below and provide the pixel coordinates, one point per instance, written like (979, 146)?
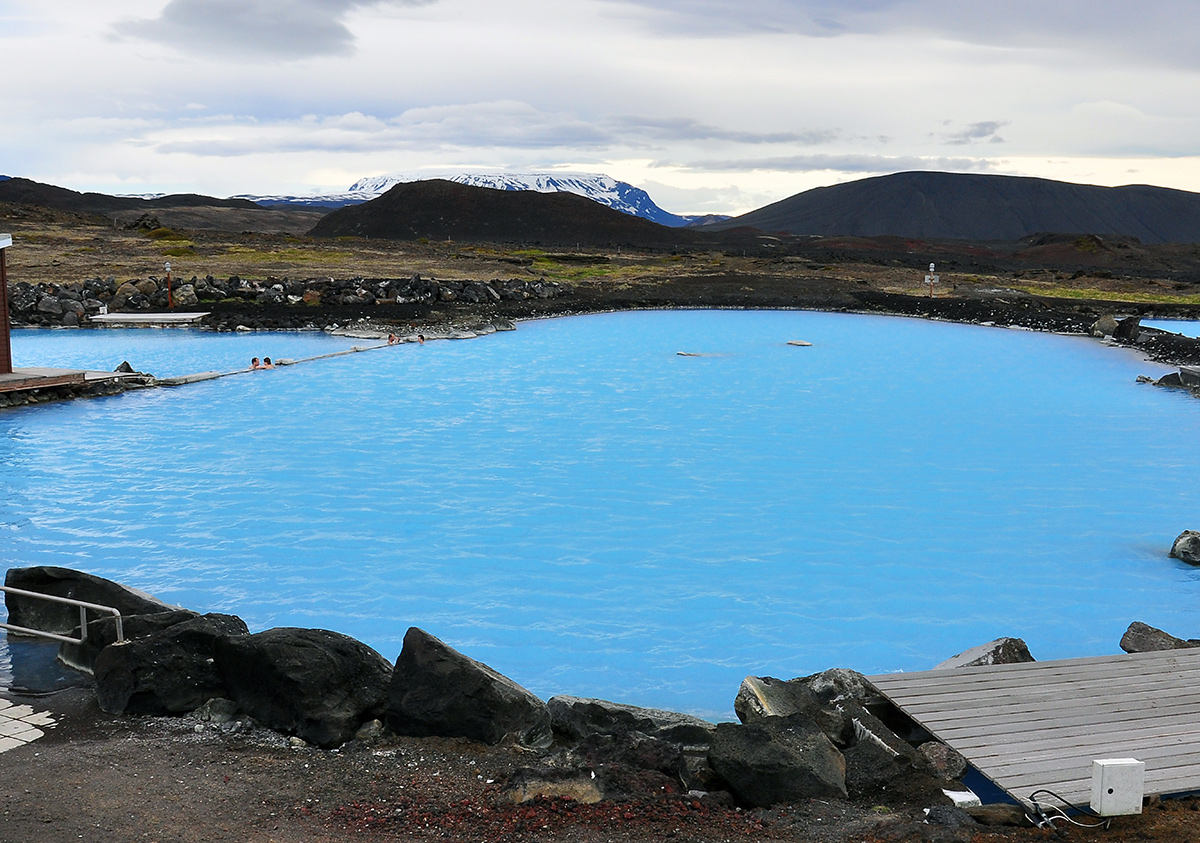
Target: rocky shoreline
(374, 307)
(825, 740)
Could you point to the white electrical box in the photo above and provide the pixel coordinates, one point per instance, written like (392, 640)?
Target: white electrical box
(1117, 786)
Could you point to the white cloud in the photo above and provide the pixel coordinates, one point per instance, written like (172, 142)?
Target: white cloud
(253, 29)
(712, 100)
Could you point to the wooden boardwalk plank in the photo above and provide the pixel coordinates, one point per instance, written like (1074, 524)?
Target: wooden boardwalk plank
(1041, 724)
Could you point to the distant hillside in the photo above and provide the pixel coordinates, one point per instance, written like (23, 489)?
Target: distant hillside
(26, 192)
(439, 209)
(606, 190)
(958, 206)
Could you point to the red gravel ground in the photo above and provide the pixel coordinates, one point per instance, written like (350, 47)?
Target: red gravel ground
(101, 778)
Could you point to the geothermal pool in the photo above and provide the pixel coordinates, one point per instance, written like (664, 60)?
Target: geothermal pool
(589, 512)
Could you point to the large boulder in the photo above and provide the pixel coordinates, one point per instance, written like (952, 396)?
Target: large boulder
(840, 683)
(778, 759)
(1143, 638)
(1000, 651)
(1187, 547)
(883, 767)
(760, 697)
(167, 672)
(185, 296)
(63, 582)
(103, 631)
(1128, 329)
(576, 718)
(1105, 326)
(319, 685)
(437, 691)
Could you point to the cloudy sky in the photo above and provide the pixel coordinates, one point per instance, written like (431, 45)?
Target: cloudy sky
(711, 106)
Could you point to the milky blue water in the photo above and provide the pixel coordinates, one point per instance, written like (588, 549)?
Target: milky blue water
(1188, 328)
(166, 353)
(589, 512)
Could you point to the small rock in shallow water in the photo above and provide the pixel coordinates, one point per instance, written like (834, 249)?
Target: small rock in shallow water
(1187, 547)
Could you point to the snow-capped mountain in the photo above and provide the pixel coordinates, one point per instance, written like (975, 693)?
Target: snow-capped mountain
(600, 188)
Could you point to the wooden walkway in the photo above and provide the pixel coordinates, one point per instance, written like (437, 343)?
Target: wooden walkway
(1040, 725)
(43, 378)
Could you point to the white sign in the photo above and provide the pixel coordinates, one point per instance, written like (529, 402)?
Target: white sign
(5, 241)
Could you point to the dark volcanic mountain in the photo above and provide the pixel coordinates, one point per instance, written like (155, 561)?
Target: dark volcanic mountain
(958, 206)
(438, 210)
(26, 192)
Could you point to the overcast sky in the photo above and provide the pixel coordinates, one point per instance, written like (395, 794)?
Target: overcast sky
(713, 107)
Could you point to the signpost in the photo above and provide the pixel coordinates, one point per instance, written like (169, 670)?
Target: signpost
(932, 279)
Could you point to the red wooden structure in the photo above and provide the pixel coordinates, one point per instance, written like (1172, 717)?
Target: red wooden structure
(5, 336)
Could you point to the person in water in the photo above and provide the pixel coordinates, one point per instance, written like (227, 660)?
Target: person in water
(254, 364)
(267, 364)
(392, 339)
(421, 339)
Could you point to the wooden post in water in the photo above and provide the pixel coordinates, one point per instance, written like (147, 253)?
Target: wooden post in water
(5, 330)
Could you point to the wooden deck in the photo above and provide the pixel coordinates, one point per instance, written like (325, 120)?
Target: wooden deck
(39, 378)
(42, 378)
(1040, 725)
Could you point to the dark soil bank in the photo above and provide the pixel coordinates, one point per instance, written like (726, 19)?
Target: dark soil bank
(99, 777)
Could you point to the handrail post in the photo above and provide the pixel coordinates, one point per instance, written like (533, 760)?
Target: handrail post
(83, 607)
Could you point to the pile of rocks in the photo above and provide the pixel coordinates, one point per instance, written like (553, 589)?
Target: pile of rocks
(66, 392)
(813, 737)
(67, 305)
(70, 305)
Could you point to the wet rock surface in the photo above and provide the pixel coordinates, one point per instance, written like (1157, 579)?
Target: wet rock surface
(435, 690)
(1186, 547)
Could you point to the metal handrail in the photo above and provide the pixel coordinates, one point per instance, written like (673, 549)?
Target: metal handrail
(83, 607)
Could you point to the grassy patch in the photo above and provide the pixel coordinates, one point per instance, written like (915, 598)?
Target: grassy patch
(165, 234)
(297, 256)
(180, 252)
(1110, 295)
